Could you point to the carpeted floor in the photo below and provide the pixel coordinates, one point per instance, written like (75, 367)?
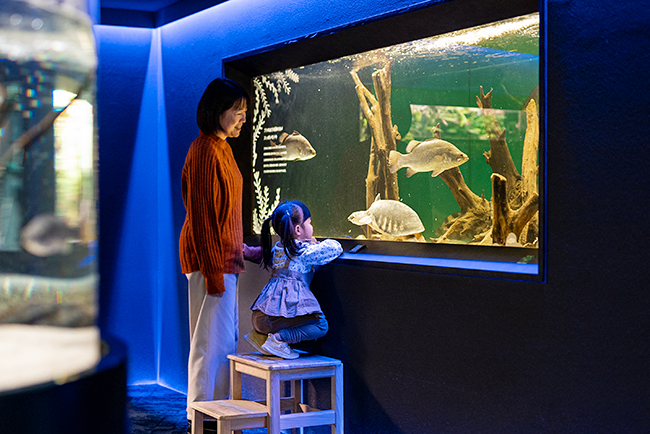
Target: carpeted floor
(154, 409)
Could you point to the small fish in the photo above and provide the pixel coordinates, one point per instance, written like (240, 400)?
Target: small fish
(433, 155)
(47, 235)
(297, 146)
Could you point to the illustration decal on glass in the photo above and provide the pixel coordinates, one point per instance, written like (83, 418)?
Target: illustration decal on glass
(279, 146)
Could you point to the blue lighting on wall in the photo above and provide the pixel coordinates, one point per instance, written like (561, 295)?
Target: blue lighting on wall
(139, 269)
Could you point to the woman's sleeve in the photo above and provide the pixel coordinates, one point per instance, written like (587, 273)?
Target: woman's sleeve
(322, 253)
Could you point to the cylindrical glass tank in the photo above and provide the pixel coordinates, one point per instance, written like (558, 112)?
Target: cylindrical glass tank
(48, 181)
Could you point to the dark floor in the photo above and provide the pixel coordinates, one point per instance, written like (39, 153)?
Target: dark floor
(154, 409)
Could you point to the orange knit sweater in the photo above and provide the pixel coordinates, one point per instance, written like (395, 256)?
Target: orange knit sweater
(212, 236)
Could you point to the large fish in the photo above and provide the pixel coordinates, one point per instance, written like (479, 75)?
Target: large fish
(48, 235)
(297, 146)
(433, 155)
(390, 217)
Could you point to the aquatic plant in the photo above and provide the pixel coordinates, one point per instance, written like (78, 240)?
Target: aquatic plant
(261, 111)
(264, 209)
(465, 122)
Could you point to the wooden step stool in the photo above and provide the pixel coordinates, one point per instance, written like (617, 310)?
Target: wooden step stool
(274, 370)
(231, 415)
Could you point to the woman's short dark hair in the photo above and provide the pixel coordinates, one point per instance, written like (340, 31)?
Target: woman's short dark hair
(221, 95)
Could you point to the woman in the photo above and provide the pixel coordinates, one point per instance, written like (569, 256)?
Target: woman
(211, 243)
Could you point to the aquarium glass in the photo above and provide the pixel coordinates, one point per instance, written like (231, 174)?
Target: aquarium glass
(432, 141)
(48, 192)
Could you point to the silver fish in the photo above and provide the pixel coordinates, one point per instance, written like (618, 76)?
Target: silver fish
(297, 146)
(47, 235)
(433, 155)
(389, 217)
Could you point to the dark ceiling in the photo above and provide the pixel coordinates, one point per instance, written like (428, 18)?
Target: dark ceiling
(149, 13)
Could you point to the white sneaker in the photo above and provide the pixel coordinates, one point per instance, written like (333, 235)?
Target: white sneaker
(279, 348)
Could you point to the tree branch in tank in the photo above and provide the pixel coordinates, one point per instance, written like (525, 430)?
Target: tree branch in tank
(515, 198)
(377, 110)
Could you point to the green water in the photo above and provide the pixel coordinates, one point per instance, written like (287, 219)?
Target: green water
(434, 80)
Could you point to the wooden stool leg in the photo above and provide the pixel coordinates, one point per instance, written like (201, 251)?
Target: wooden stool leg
(235, 385)
(296, 395)
(235, 382)
(197, 422)
(223, 426)
(273, 402)
(337, 399)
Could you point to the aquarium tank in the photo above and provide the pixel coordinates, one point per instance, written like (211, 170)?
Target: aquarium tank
(48, 193)
(432, 141)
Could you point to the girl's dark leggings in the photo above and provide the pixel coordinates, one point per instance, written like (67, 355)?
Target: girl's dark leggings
(291, 330)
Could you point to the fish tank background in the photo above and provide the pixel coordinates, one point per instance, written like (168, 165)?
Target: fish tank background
(48, 192)
(463, 87)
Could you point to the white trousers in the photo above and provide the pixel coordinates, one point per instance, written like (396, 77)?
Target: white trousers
(214, 331)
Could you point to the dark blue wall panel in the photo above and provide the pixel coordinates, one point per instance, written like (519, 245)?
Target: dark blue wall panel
(127, 160)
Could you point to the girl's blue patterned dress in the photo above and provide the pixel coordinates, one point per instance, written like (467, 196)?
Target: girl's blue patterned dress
(287, 294)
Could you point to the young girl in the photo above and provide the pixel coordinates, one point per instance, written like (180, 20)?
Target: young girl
(286, 312)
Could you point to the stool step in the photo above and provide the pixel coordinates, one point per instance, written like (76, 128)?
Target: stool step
(228, 409)
(231, 415)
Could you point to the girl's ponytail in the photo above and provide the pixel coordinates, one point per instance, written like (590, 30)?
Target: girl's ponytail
(284, 219)
(285, 226)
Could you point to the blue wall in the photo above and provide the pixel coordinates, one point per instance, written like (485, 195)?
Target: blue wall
(423, 352)
(138, 257)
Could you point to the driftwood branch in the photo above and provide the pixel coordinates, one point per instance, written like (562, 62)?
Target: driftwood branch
(514, 205)
(515, 197)
(505, 219)
(530, 170)
(385, 136)
(382, 82)
(498, 157)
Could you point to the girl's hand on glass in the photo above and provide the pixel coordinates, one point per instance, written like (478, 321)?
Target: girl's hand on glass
(252, 253)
